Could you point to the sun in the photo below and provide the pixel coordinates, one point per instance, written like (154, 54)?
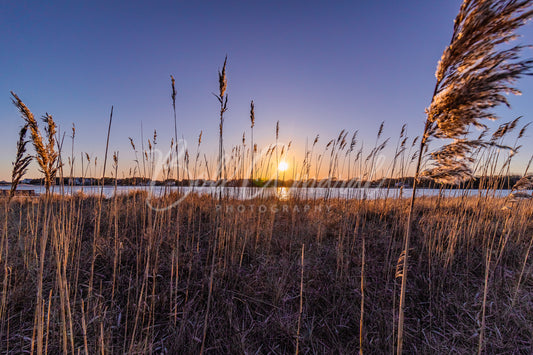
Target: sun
(283, 166)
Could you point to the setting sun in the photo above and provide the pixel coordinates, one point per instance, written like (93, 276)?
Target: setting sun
(283, 166)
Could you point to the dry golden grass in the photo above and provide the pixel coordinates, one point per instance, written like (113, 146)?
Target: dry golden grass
(154, 276)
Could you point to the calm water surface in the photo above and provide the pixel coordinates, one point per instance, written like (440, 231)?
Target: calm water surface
(248, 192)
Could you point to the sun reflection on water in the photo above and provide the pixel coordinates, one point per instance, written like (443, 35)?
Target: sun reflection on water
(283, 193)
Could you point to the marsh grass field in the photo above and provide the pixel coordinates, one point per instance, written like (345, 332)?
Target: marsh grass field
(118, 277)
(187, 272)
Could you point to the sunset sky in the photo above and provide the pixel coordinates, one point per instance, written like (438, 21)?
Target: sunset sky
(316, 66)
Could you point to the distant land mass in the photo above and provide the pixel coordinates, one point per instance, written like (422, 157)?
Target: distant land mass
(498, 182)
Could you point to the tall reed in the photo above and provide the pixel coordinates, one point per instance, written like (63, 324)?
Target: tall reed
(253, 148)
(472, 76)
(175, 128)
(46, 154)
(223, 100)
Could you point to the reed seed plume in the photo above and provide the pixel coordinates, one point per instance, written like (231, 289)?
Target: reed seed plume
(473, 76)
(252, 113)
(402, 132)
(222, 98)
(46, 155)
(525, 183)
(254, 146)
(51, 130)
(34, 129)
(115, 158)
(353, 142)
(504, 129)
(380, 131)
(523, 130)
(20, 166)
(222, 80)
(132, 143)
(173, 95)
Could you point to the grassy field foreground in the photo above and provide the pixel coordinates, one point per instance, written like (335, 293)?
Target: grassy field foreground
(84, 275)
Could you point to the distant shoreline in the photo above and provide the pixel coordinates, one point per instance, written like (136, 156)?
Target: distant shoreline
(493, 183)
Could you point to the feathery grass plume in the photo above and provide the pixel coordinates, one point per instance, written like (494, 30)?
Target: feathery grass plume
(175, 127)
(380, 131)
(46, 155)
(472, 76)
(519, 190)
(252, 120)
(523, 130)
(223, 100)
(50, 130)
(20, 166)
(353, 142)
(252, 113)
(197, 157)
(72, 158)
(525, 183)
(222, 80)
(132, 143)
(504, 129)
(173, 91)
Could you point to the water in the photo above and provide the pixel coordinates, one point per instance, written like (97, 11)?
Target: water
(282, 193)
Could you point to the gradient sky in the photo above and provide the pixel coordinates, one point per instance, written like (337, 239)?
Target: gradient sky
(316, 66)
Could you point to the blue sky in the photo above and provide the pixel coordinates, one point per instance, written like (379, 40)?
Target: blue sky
(316, 66)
